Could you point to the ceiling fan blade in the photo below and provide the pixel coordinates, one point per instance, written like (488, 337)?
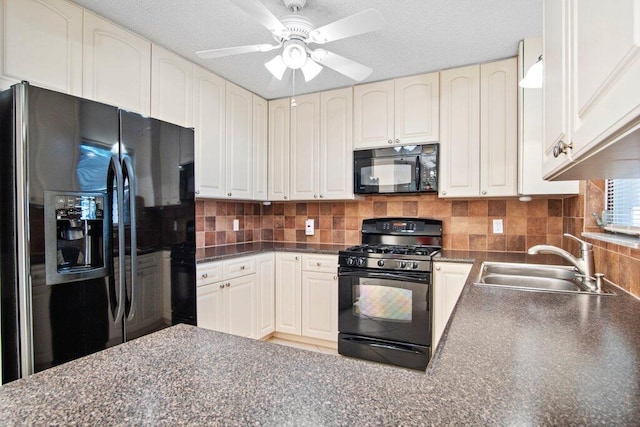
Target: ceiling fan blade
(360, 23)
(258, 11)
(348, 67)
(227, 51)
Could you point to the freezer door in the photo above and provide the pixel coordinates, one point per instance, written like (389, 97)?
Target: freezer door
(157, 162)
(68, 146)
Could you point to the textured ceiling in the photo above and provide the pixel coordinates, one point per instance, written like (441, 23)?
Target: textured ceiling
(421, 35)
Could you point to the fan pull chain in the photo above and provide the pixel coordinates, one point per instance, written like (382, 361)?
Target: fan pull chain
(293, 93)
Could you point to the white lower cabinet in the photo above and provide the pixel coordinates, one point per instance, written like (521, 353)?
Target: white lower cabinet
(226, 296)
(307, 295)
(265, 295)
(448, 280)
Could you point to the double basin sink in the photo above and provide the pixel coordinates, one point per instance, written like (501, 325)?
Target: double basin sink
(535, 277)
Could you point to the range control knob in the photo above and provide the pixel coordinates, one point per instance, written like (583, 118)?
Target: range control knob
(361, 262)
(381, 263)
(414, 265)
(351, 260)
(402, 264)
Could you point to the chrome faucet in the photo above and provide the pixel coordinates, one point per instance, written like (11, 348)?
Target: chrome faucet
(585, 264)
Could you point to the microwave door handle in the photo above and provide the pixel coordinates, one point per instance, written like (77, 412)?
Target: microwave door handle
(114, 166)
(418, 173)
(130, 173)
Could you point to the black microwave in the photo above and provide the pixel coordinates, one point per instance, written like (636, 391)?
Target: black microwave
(403, 169)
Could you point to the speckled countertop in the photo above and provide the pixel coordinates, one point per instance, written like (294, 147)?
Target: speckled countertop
(217, 253)
(507, 357)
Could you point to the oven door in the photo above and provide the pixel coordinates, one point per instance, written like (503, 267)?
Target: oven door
(385, 305)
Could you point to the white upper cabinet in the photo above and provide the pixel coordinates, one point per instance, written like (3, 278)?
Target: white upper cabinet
(171, 91)
(555, 87)
(499, 128)
(260, 148)
(239, 144)
(48, 51)
(209, 94)
(279, 123)
(594, 50)
(460, 132)
(116, 66)
(304, 149)
(336, 146)
(401, 111)
(530, 147)
(478, 112)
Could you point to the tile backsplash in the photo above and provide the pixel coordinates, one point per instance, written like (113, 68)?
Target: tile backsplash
(467, 224)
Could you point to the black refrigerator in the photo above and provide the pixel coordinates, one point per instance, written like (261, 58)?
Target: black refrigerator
(94, 199)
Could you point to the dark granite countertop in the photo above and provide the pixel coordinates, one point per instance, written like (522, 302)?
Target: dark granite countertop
(217, 253)
(507, 357)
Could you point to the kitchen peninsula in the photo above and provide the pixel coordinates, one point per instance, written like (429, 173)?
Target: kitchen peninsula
(507, 357)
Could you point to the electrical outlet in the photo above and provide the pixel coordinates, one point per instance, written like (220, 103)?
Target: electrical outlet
(236, 225)
(309, 227)
(497, 226)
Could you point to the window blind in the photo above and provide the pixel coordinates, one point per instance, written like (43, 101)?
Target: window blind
(623, 204)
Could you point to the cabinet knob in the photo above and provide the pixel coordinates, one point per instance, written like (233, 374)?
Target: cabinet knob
(285, 197)
(444, 193)
(322, 196)
(318, 264)
(297, 258)
(227, 284)
(222, 286)
(229, 194)
(335, 277)
(205, 275)
(242, 267)
(397, 141)
(484, 193)
(197, 191)
(390, 141)
(438, 268)
(315, 196)
(562, 148)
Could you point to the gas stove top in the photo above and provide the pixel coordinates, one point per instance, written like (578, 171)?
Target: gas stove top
(395, 244)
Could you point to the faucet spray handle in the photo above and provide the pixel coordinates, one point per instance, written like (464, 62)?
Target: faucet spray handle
(584, 246)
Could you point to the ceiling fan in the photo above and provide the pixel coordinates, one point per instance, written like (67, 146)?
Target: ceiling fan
(294, 33)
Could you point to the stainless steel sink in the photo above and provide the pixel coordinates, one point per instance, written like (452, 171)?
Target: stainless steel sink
(534, 277)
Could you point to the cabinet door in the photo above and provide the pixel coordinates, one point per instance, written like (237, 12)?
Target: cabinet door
(239, 142)
(150, 302)
(555, 89)
(305, 140)
(171, 90)
(373, 115)
(605, 74)
(116, 66)
(279, 127)
(417, 109)
(209, 306)
(260, 147)
(288, 308)
(448, 281)
(240, 310)
(460, 132)
(499, 128)
(42, 44)
(336, 146)
(265, 294)
(209, 120)
(320, 305)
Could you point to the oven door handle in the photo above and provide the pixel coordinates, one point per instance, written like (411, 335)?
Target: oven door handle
(380, 275)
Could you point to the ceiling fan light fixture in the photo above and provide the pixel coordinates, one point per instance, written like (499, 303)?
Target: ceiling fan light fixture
(276, 66)
(310, 70)
(294, 54)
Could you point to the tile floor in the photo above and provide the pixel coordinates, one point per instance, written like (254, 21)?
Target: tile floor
(304, 346)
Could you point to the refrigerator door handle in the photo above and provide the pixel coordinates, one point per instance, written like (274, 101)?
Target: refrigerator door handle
(114, 165)
(129, 173)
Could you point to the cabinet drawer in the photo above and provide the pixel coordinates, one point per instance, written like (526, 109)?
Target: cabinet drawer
(320, 263)
(239, 267)
(208, 273)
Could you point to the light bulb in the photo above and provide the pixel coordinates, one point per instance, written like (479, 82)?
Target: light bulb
(294, 54)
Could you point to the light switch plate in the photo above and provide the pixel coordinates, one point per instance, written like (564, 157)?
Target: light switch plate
(497, 226)
(309, 227)
(236, 225)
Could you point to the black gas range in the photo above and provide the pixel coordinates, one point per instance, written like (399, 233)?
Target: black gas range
(385, 296)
